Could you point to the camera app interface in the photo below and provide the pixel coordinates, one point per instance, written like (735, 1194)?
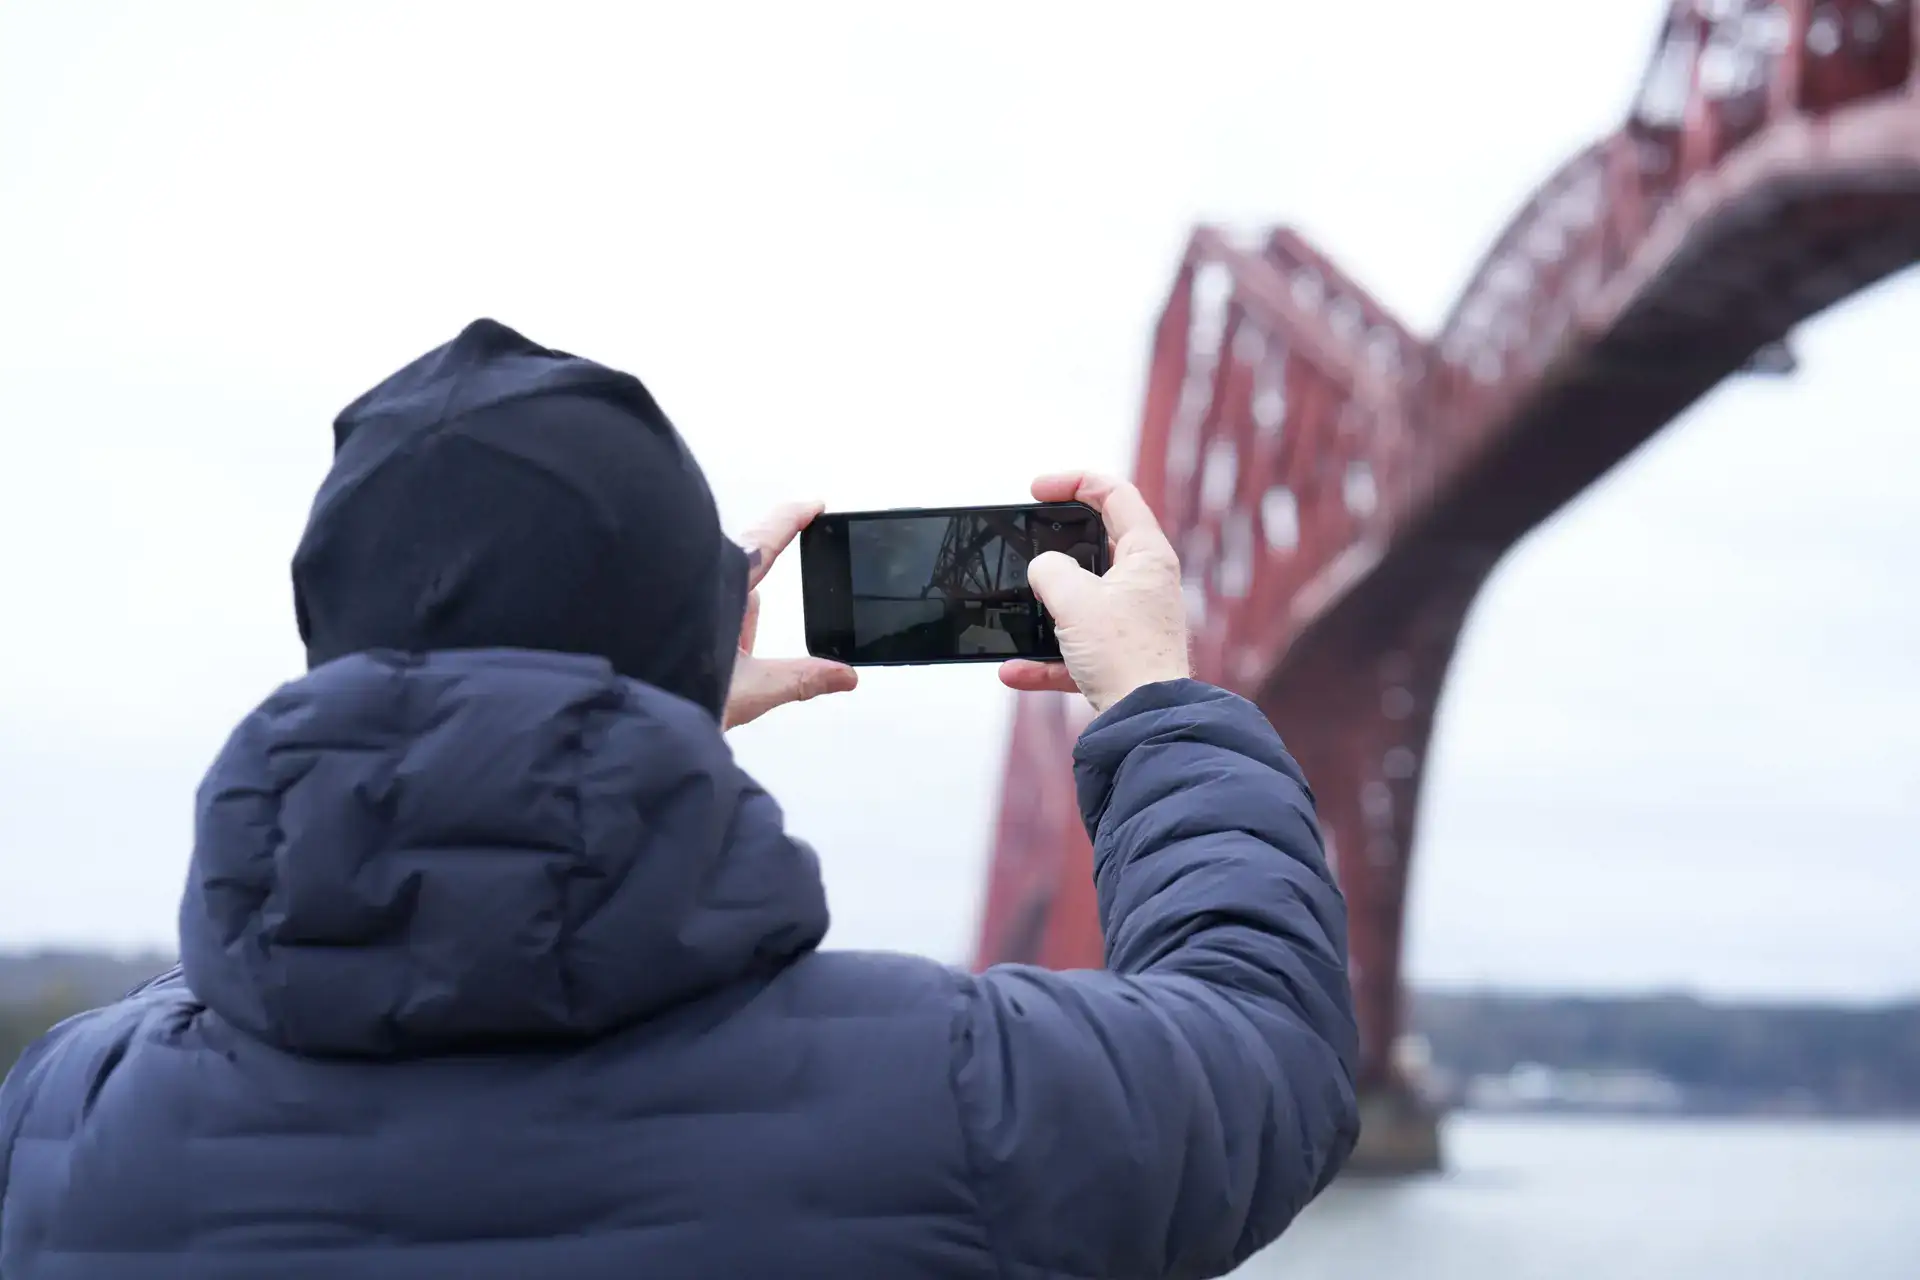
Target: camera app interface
(926, 588)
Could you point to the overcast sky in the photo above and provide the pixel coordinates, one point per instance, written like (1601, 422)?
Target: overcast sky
(892, 254)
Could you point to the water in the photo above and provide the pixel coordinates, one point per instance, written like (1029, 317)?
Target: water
(1579, 1199)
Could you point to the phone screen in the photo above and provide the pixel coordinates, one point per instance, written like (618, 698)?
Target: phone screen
(946, 585)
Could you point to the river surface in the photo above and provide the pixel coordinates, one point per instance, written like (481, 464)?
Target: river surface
(1582, 1199)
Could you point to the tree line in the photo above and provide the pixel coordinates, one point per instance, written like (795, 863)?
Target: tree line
(1831, 1058)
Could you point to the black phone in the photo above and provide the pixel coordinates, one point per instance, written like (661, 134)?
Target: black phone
(917, 586)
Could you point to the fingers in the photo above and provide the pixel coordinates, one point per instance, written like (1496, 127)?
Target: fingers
(1125, 513)
(1060, 486)
(766, 540)
(750, 624)
(1036, 677)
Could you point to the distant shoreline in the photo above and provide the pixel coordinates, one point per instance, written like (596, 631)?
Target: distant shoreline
(1757, 1115)
(1678, 1120)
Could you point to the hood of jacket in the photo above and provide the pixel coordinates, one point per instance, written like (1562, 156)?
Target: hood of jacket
(409, 854)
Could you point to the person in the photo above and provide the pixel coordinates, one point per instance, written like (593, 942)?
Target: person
(494, 963)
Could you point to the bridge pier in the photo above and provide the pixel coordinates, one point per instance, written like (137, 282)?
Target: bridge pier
(1399, 1136)
(1355, 702)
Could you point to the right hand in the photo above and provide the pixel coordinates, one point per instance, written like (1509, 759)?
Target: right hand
(1119, 631)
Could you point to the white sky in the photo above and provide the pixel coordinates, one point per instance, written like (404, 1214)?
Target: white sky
(891, 254)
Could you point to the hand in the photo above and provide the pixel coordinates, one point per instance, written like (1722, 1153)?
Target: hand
(761, 684)
(1119, 631)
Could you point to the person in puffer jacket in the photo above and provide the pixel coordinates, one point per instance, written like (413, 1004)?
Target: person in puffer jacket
(493, 963)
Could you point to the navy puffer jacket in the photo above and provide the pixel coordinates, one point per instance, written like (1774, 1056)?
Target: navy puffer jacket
(494, 964)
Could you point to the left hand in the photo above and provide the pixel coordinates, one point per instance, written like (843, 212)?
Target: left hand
(761, 684)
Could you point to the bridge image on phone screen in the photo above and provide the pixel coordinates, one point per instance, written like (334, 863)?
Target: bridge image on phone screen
(949, 585)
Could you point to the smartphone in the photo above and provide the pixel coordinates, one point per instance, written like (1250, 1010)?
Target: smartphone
(914, 587)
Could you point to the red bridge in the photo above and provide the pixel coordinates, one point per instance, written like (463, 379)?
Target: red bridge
(1340, 488)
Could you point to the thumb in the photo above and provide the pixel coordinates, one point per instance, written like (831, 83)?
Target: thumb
(761, 684)
(798, 679)
(1060, 583)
